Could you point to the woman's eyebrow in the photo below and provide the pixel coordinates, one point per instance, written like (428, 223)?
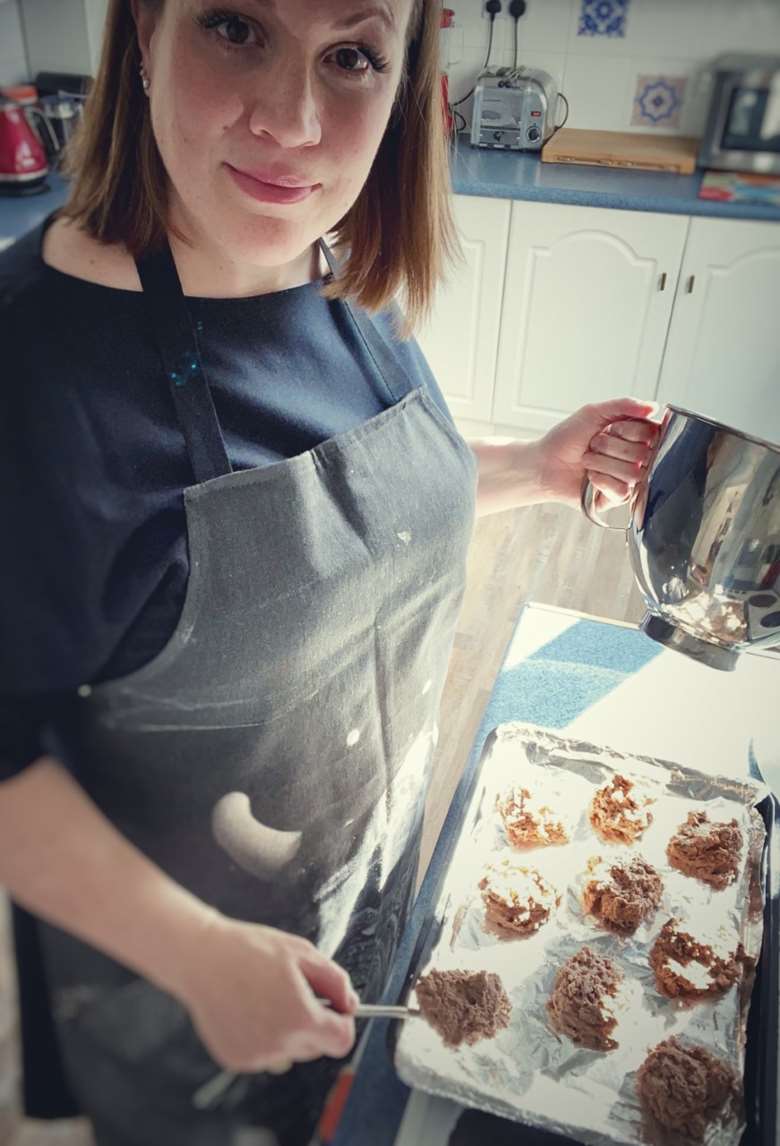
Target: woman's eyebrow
(381, 11)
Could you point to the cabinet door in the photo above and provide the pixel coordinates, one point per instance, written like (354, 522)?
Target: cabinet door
(460, 340)
(723, 355)
(586, 310)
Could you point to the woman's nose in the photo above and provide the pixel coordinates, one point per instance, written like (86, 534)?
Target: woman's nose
(286, 108)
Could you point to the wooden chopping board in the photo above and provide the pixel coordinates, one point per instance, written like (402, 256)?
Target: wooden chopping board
(673, 153)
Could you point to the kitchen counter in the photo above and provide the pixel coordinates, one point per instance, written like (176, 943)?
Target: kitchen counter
(604, 683)
(20, 215)
(513, 175)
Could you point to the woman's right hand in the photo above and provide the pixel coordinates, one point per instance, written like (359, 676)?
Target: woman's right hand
(250, 991)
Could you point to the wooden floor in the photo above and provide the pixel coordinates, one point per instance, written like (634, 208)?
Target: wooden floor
(549, 554)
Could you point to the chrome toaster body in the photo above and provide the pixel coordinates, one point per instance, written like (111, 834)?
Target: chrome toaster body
(514, 108)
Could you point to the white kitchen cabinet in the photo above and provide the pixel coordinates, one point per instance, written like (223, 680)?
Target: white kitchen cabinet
(587, 301)
(723, 353)
(460, 340)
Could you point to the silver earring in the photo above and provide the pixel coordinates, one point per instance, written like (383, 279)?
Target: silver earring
(146, 83)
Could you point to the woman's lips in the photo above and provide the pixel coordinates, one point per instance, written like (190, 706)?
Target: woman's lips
(269, 192)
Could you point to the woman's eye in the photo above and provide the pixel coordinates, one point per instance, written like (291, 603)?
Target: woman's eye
(352, 60)
(359, 61)
(229, 27)
(236, 31)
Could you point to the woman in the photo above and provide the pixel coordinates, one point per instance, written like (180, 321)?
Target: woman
(237, 558)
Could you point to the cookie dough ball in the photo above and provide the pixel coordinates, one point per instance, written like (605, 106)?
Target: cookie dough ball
(707, 850)
(464, 1006)
(531, 821)
(621, 892)
(684, 1088)
(581, 1004)
(618, 813)
(518, 900)
(690, 968)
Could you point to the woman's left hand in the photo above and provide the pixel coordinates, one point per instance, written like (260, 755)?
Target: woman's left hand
(610, 442)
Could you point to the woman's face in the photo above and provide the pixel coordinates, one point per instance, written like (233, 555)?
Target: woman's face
(259, 92)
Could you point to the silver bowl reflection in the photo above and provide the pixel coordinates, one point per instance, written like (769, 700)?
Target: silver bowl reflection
(704, 540)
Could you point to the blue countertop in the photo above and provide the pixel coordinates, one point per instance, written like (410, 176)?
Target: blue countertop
(496, 175)
(20, 215)
(510, 175)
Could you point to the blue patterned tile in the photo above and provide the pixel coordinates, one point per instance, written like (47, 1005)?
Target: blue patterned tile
(603, 18)
(658, 101)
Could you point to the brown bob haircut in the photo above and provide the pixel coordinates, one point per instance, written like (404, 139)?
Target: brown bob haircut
(397, 236)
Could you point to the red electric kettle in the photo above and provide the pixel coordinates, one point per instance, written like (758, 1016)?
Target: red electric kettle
(23, 165)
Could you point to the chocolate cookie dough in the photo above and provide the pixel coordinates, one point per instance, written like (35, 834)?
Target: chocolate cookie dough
(617, 816)
(464, 1006)
(691, 968)
(684, 1087)
(707, 850)
(582, 1000)
(518, 900)
(530, 821)
(621, 892)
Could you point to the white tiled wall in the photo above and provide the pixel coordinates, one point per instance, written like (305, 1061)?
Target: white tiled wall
(598, 74)
(13, 62)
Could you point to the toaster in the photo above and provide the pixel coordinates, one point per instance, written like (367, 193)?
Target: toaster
(513, 108)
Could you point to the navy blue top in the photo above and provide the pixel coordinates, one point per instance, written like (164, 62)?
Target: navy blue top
(93, 462)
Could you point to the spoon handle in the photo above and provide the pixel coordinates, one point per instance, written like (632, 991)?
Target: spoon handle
(206, 1095)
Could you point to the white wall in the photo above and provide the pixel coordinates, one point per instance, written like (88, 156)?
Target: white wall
(670, 39)
(56, 35)
(13, 61)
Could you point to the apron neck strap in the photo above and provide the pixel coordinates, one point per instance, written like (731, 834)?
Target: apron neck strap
(384, 359)
(177, 344)
(330, 258)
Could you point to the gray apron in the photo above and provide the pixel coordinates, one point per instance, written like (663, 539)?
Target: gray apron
(273, 757)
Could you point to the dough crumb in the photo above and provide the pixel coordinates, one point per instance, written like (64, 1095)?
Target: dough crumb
(529, 821)
(464, 1006)
(707, 850)
(616, 815)
(581, 1004)
(621, 892)
(691, 968)
(518, 900)
(685, 1087)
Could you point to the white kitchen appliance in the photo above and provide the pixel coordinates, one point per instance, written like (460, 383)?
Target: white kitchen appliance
(514, 109)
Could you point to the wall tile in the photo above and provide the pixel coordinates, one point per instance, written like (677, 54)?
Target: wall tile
(599, 96)
(658, 101)
(476, 31)
(661, 27)
(602, 18)
(682, 74)
(544, 25)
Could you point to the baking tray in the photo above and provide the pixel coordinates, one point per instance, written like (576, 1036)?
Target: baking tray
(761, 1056)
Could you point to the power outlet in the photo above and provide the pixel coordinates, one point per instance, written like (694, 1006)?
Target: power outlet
(494, 7)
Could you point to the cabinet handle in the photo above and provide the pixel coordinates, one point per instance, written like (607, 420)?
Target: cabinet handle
(662, 281)
(689, 284)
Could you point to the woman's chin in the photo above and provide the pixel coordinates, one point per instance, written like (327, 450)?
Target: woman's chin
(265, 242)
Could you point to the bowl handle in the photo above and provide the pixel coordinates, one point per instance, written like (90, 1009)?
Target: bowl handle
(588, 506)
